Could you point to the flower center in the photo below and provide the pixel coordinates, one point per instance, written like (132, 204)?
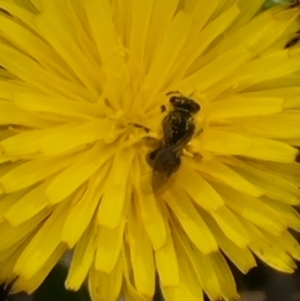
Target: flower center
(127, 129)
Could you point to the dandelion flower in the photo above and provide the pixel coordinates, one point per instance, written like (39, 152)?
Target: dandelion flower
(81, 80)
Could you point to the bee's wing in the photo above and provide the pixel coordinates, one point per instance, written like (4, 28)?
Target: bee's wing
(164, 166)
(156, 176)
(160, 182)
(154, 182)
(168, 163)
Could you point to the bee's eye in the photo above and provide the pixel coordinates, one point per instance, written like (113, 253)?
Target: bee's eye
(173, 100)
(196, 107)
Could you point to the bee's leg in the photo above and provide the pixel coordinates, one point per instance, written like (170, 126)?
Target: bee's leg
(140, 126)
(190, 152)
(163, 108)
(199, 132)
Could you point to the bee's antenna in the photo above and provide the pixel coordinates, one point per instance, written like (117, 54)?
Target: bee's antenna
(172, 92)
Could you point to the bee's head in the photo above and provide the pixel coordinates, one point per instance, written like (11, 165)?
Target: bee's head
(185, 103)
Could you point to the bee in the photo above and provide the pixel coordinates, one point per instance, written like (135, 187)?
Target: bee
(178, 127)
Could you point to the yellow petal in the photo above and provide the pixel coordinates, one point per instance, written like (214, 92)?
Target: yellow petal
(33, 171)
(9, 200)
(292, 103)
(101, 23)
(266, 250)
(191, 221)
(275, 186)
(37, 4)
(201, 264)
(27, 206)
(141, 255)
(140, 18)
(231, 226)
(63, 40)
(114, 197)
(108, 247)
(150, 211)
(30, 43)
(241, 257)
(199, 189)
(10, 114)
(11, 235)
(227, 143)
(36, 279)
(65, 107)
(45, 243)
(72, 177)
(4, 254)
(268, 66)
(82, 212)
(175, 36)
(183, 292)
(292, 141)
(253, 210)
(162, 14)
(24, 143)
(289, 94)
(189, 287)
(7, 265)
(248, 10)
(202, 39)
(258, 35)
(130, 290)
(103, 287)
(63, 140)
(288, 214)
(216, 70)
(222, 142)
(223, 173)
(22, 7)
(291, 171)
(276, 126)
(25, 67)
(202, 11)
(225, 277)
(238, 107)
(82, 258)
(167, 265)
(286, 242)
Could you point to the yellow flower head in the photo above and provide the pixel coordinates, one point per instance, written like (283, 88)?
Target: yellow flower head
(85, 89)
